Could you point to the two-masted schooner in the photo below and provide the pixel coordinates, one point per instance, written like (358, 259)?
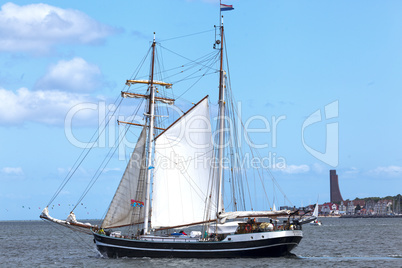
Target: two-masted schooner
(174, 180)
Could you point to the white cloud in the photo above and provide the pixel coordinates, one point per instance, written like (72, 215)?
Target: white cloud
(12, 170)
(295, 169)
(391, 171)
(74, 75)
(41, 106)
(38, 27)
(319, 168)
(352, 171)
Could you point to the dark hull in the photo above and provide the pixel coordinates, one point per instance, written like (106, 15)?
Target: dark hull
(268, 247)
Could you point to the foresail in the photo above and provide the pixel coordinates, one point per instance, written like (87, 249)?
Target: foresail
(184, 187)
(125, 208)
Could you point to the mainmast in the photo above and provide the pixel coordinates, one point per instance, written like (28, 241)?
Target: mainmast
(221, 125)
(151, 115)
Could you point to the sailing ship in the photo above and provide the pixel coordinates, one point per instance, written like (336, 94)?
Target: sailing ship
(174, 180)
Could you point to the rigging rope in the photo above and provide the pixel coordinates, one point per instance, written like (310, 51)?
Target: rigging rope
(88, 149)
(183, 36)
(236, 152)
(105, 162)
(90, 145)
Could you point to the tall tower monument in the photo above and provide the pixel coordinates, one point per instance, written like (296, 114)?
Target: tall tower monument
(334, 187)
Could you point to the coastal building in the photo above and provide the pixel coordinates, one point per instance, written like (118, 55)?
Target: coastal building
(350, 208)
(286, 208)
(359, 202)
(383, 207)
(329, 209)
(369, 206)
(342, 208)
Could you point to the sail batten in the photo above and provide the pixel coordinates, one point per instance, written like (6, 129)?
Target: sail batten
(121, 212)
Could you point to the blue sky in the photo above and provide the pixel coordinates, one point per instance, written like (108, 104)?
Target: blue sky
(288, 59)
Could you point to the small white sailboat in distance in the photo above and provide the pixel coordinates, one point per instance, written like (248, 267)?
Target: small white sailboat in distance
(316, 222)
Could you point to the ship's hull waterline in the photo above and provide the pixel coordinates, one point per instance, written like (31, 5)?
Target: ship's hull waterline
(264, 244)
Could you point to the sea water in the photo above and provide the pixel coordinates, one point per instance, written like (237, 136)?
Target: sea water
(337, 243)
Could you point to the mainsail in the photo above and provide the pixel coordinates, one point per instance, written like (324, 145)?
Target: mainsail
(131, 187)
(315, 212)
(184, 186)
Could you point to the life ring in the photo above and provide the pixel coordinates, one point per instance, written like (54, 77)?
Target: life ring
(248, 228)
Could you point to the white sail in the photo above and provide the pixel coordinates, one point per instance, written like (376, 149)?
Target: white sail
(131, 186)
(315, 212)
(184, 189)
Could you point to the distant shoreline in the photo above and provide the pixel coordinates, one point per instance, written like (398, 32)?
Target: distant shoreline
(370, 216)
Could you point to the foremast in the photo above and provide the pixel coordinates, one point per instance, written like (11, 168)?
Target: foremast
(151, 119)
(150, 114)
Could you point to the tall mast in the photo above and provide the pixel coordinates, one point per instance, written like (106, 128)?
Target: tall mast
(150, 115)
(221, 124)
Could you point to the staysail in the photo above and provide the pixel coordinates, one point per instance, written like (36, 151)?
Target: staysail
(184, 186)
(126, 208)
